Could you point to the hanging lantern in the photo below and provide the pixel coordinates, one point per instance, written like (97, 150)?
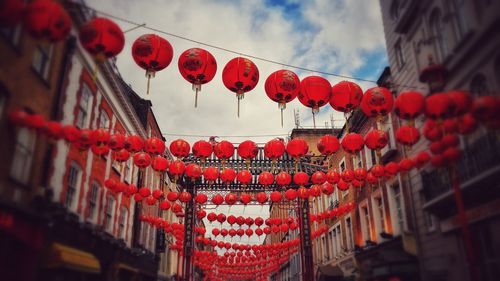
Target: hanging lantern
(438, 161)
(240, 75)
(283, 179)
(165, 205)
(452, 155)
(84, 140)
(275, 196)
(467, 125)
(327, 188)
(53, 130)
(217, 199)
(328, 145)
(290, 194)
(47, 20)
(154, 145)
(259, 231)
(318, 177)
(303, 193)
(315, 92)
(221, 218)
(215, 232)
(151, 200)
(409, 105)
(360, 174)
(377, 101)
(211, 174)
(134, 143)
(407, 135)
(116, 141)
(346, 96)
(377, 171)
(102, 38)
(436, 147)
(185, 197)
(282, 86)
(211, 217)
(193, 171)
(297, 148)
(301, 178)
(266, 179)
(274, 149)
(371, 179)
(315, 190)
(245, 198)
(197, 66)
(248, 150)
(353, 143)
(485, 108)
(121, 155)
(244, 177)
(376, 139)
(406, 164)
(450, 140)
(434, 75)
(159, 163)
(332, 176)
(176, 168)
(202, 150)
(231, 198)
(347, 175)
(11, 12)
(462, 102)
(450, 125)
(342, 185)
(172, 196)
(227, 176)
(261, 197)
(438, 106)
(180, 148)
(152, 53)
(391, 168)
(35, 122)
(224, 150)
(201, 198)
(432, 131)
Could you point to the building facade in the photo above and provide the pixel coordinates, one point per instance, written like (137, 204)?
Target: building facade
(463, 38)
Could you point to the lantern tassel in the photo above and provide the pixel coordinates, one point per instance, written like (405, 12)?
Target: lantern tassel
(148, 86)
(240, 96)
(94, 72)
(196, 89)
(281, 118)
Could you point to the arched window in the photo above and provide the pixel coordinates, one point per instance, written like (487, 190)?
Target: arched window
(479, 85)
(438, 33)
(23, 156)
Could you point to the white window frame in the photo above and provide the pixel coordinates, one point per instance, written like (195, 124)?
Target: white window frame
(337, 228)
(377, 216)
(364, 212)
(349, 233)
(109, 213)
(42, 59)
(104, 120)
(122, 222)
(94, 192)
(397, 227)
(12, 34)
(84, 108)
(23, 156)
(71, 198)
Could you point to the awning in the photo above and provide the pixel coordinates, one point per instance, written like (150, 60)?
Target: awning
(64, 256)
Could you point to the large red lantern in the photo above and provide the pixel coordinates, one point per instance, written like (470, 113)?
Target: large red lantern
(154, 145)
(47, 20)
(211, 174)
(327, 188)
(290, 194)
(202, 149)
(185, 197)
(346, 96)
(274, 149)
(227, 176)
(201, 198)
(275, 196)
(193, 171)
(231, 198)
(486, 108)
(376, 139)
(409, 105)
(347, 175)
(282, 86)
(180, 148)
(245, 198)
(261, 197)
(360, 174)
(152, 53)
(197, 66)
(406, 164)
(224, 150)
(377, 101)
(407, 135)
(283, 179)
(85, 139)
(240, 75)
(318, 177)
(462, 102)
(328, 145)
(116, 141)
(172, 196)
(176, 168)
(266, 178)
(244, 177)
(248, 150)
(315, 92)
(301, 178)
(217, 199)
(121, 155)
(439, 106)
(102, 38)
(332, 176)
(297, 148)
(159, 163)
(303, 192)
(353, 143)
(134, 143)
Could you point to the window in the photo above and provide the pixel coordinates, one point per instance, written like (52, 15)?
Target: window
(12, 34)
(84, 107)
(324, 248)
(365, 222)
(461, 17)
(439, 32)
(350, 238)
(23, 156)
(338, 240)
(331, 249)
(108, 219)
(400, 59)
(122, 221)
(378, 214)
(104, 120)
(396, 208)
(395, 10)
(479, 85)
(430, 221)
(371, 157)
(358, 160)
(74, 174)
(41, 59)
(94, 194)
(342, 167)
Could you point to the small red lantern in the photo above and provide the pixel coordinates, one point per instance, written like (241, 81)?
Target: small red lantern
(282, 86)
(297, 148)
(53, 130)
(315, 92)
(261, 197)
(407, 135)
(327, 188)
(224, 150)
(409, 105)
(152, 53)
(353, 143)
(301, 178)
(176, 168)
(391, 168)
(315, 190)
(438, 106)
(360, 174)
(347, 175)
(377, 101)
(134, 143)
(249, 232)
(266, 178)
(212, 217)
(275, 196)
(283, 179)
(436, 147)
(102, 38)
(185, 197)
(245, 198)
(197, 66)
(462, 102)
(227, 176)
(71, 133)
(215, 232)
(342, 185)
(201, 198)
(217, 199)
(332, 176)
(450, 125)
(303, 192)
(193, 171)
(121, 155)
(318, 177)
(165, 205)
(151, 201)
(274, 149)
(248, 150)
(467, 125)
(438, 161)
(452, 155)
(176, 208)
(371, 179)
(47, 20)
(157, 193)
(244, 177)
(231, 198)
(172, 196)
(142, 160)
(376, 139)
(154, 145)
(159, 164)
(346, 96)
(432, 131)
(450, 140)
(240, 75)
(290, 194)
(211, 174)
(377, 171)
(328, 145)
(202, 149)
(180, 148)
(406, 164)
(116, 141)
(144, 191)
(485, 108)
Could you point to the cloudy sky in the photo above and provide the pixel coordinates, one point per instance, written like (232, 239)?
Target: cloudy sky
(336, 36)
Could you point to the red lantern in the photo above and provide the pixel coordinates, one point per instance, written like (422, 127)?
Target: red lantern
(231, 198)
(176, 168)
(142, 160)
(134, 143)
(486, 108)
(275, 196)
(342, 185)
(303, 192)
(450, 140)
(438, 161)
(283, 179)
(193, 171)
(371, 179)
(259, 221)
(201, 198)
(249, 232)
(332, 176)
(245, 198)
(121, 155)
(165, 205)
(391, 168)
(231, 219)
(318, 177)
(406, 164)
(282, 86)
(151, 201)
(185, 197)
(452, 155)
(54, 130)
(467, 124)
(47, 20)
(327, 188)
(328, 145)
(227, 176)
(244, 177)
(116, 141)
(377, 171)
(431, 130)
(36, 122)
(407, 135)
(315, 190)
(180, 148)
(274, 149)
(297, 148)
(290, 194)
(450, 126)
(197, 66)
(315, 92)
(157, 193)
(376, 139)
(259, 231)
(462, 102)
(301, 178)
(346, 96)
(224, 150)
(347, 175)
(202, 149)
(144, 191)
(439, 106)
(240, 75)
(172, 196)
(212, 217)
(102, 38)
(159, 163)
(11, 12)
(353, 143)
(377, 101)
(409, 105)
(261, 197)
(360, 174)
(215, 232)
(217, 199)
(221, 218)
(248, 150)
(266, 178)
(211, 174)
(154, 145)
(71, 133)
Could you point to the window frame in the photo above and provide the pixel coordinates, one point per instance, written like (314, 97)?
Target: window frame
(72, 187)
(108, 213)
(22, 158)
(94, 190)
(84, 108)
(122, 222)
(42, 60)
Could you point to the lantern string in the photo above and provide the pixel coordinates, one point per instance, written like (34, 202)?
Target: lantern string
(145, 26)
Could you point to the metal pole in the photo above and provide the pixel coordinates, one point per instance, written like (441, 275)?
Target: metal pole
(305, 241)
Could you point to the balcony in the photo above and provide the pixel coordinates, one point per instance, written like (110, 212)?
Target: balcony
(478, 171)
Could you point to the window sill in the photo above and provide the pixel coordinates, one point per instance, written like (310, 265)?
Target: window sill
(44, 81)
(19, 184)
